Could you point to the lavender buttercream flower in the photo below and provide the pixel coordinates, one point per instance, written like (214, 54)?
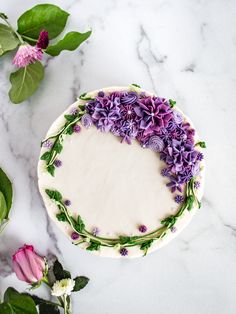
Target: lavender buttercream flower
(129, 98)
(57, 163)
(142, 228)
(197, 184)
(74, 236)
(178, 117)
(47, 144)
(156, 143)
(76, 128)
(179, 199)
(86, 120)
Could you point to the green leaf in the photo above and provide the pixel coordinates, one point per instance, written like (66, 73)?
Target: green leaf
(54, 195)
(169, 221)
(79, 224)
(58, 147)
(3, 207)
(201, 144)
(6, 189)
(5, 308)
(136, 85)
(43, 16)
(46, 308)
(172, 103)
(46, 156)
(3, 16)
(69, 130)
(80, 283)
(70, 42)
(59, 272)
(190, 201)
(51, 169)
(69, 117)
(8, 40)
(94, 246)
(145, 246)
(25, 82)
(61, 217)
(20, 303)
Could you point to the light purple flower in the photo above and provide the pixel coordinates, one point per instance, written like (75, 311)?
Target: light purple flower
(179, 199)
(95, 231)
(27, 54)
(76, 128)
(165, 172)
(173, 229)
(86, 120)
(48, 144)
(74, 236)
(57, 163)
(197, 184)
(74, 111)
(156, 143)
(178, 117)
(142, 228)
(129, 98)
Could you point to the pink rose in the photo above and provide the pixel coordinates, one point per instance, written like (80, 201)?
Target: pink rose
(28, 266)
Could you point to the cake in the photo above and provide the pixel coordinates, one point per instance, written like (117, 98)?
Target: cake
(121, 171)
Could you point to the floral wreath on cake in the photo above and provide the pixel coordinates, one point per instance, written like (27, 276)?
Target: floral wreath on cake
(155, 124)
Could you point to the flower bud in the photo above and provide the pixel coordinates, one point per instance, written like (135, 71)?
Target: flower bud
(28, 265)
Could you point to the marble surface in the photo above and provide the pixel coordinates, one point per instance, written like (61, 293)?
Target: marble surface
(183, 50)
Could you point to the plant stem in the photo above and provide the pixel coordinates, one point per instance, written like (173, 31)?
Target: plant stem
(13, 30)
(29, 38)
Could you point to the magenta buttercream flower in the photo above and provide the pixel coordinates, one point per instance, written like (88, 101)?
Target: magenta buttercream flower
(43, 40)
(28, 265)
(27, 54)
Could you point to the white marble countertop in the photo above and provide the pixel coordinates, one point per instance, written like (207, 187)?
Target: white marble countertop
(183, 50)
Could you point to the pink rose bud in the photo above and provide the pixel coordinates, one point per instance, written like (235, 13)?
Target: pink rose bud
(28, 265)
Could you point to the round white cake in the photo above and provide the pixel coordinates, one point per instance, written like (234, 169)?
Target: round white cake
(121, 171)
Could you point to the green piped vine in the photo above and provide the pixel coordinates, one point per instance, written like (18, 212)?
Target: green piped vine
(144, 242)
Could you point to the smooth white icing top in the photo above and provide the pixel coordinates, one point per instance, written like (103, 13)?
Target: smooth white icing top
(112, 186)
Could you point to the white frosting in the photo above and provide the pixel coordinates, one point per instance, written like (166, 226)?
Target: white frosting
(112, 186)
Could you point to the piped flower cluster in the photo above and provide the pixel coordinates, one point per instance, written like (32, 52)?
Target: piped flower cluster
(155, 124)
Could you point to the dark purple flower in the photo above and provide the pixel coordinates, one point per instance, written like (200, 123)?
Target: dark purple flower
(86, 120)
(101, 94)
(156, 143)
(76, 128)
(197, 184)
(67, 202)
(57, 163)
(74, 236)
(154, 112)
(200, 156)
(173, 229)
(123, 251)
(179, 199)
(142, 228)
(165, 172)
(43, 40)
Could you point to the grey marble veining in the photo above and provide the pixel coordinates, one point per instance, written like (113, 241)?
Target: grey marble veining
(183, 50)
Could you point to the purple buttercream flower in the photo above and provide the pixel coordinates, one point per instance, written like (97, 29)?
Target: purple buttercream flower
(101, 94)
(95, 231)
(86, 120)
(43, 40)
(142, 228)
(57, 163)
(154, 112)
(173, 229)
(76, 128)
(175, 184)
(47, 144)
(165, 172)
(178, 118)
(128, 130)
(74, 236)
(197, 184)
(67, 202)
(156, 143)
(123, 251)
(74, 111)
(179, 199)
(200, 156)
(129, 98)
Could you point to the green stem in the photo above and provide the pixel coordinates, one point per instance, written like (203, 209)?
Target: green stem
(13, 30)
(29, 38)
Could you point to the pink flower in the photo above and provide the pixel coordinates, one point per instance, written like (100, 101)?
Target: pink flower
(28, 265)
(27, 54)
(43, 40)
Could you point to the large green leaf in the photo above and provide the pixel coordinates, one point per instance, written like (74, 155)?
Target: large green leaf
(25, 82)
(6, 189)
(20, 303)
(8, 40)
(5, 308)
(71, 41)
(3, 207)
(80, 283)
(42, 16)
